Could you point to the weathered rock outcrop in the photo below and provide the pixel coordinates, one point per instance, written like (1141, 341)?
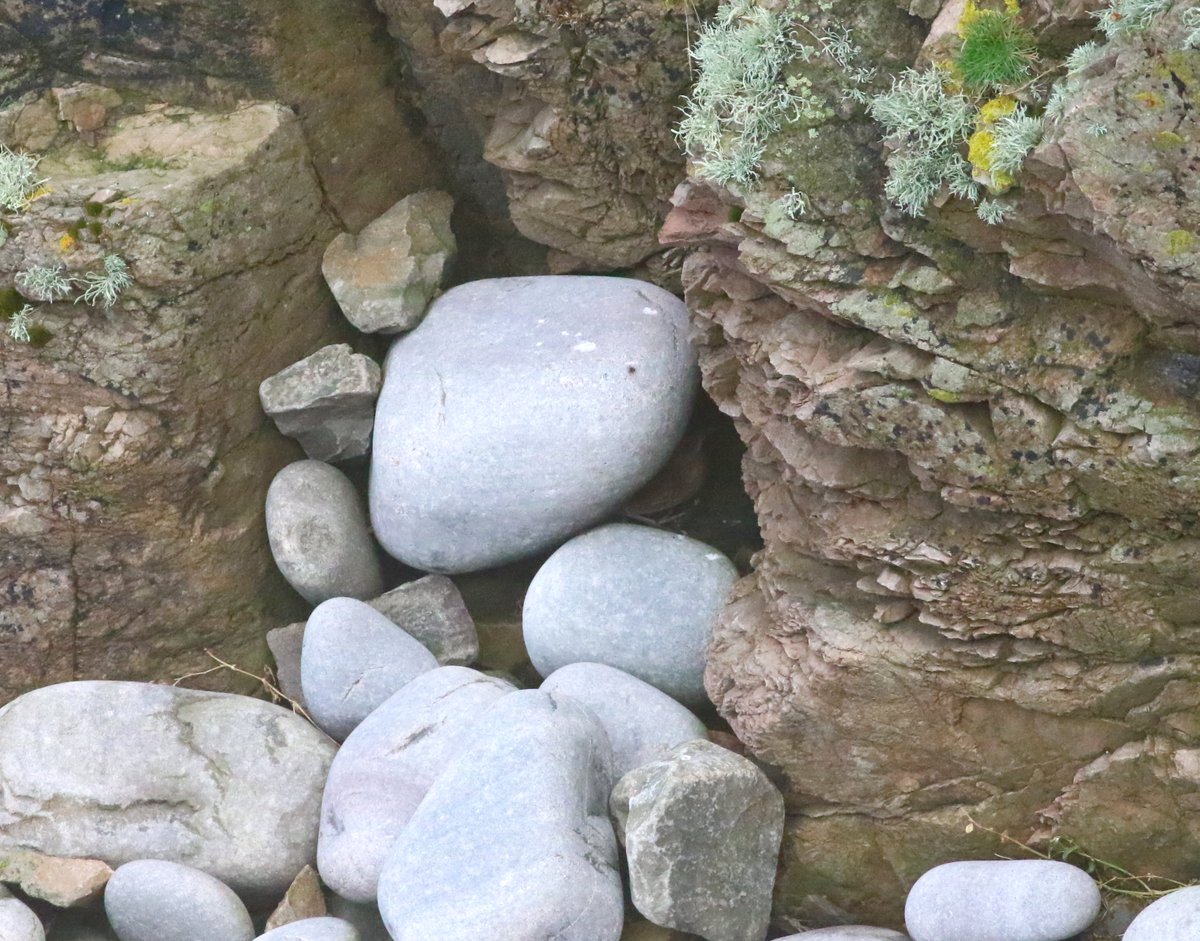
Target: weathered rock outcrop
(974, 455)
(134, 456)
(571, 105)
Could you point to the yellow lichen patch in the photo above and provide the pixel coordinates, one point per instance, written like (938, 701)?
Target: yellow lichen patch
(944, 395)
(38, 194)
(1168, 140)
(992, 111)
(66, 242)
(1149, 99)
(1180, 242)
(970, 14)
(979, 150)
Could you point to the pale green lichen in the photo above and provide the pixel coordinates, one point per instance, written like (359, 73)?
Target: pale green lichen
(105, 287)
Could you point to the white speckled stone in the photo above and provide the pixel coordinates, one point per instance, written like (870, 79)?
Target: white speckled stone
(1001, 900)
(353, 659)
(522, 410)
(317, 528)
(313, 929)
(643, 723)
(513, 841)
(636, 598)
(155, 900)
(387, 765)
(1174, 917)
(17, 920)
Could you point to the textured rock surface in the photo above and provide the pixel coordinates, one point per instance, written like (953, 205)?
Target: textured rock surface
(17, 920)
(431, 609)
(157, 900)
(1175, 917)
(520, 411)
(1001, 900)
(387, 765)
(320, 540)
(125, 771)
(513, 840)
(385, 276)
(326, 402)
(353, 659)
(973, 455)
(633, 597)
(313, 929)
(133, 453)
(642, 722)
(61, 881)
(571, 105)
(286, 645)
(701, 828)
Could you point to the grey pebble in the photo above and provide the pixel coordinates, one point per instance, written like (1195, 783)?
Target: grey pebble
(17, 920)
(156, 900)
(1174, 917)
(313, 929)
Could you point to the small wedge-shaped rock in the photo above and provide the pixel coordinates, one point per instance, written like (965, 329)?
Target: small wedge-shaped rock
(156, 900)
(303, 900)
(512, 841)
(432, 610)
(326, 402)
(1174, 917)
(643, 723)
(286, 645)
(385, 277)
(387, 765)
(59, 880)
(317, 527)
(313, 929)
(125, 771)
(353, 659)
(1002, 900)
(17, 920)
(702, 830)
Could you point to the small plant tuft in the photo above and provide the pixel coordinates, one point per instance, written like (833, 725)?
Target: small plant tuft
(18, 179)
(997, 51)
(18, 324)
(1121, 17)
(105, 287)
(44, 283)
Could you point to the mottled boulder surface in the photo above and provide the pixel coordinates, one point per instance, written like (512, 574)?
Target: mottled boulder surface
(973, 452)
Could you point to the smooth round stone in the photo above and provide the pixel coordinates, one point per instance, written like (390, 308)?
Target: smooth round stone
(125, 771)
(848, 933)
(1001, 900)
(313, 929)
(1174, 917)
(513, 841)
(156, 900)
(636, 598)
(353, 659)
(386, 766)
(17, 920)
(643, 723)
(522, 410)
(317, 528)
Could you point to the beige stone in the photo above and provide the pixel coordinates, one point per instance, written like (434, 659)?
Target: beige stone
(61, 881)
(303, 899)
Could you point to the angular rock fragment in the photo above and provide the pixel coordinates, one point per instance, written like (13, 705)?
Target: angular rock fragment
(286, 644)
(701, 829)
(353, 659)
(385, 277)
(326, 402)
(302, 900)
(156, 900)
(1002, 900)
(126, 771)
(432, 610)
(512, 841)
(318, 532)
(521, 411)
(59, 880)
(386, 766)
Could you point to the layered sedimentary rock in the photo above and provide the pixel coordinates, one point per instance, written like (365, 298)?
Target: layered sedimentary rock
(974, 454)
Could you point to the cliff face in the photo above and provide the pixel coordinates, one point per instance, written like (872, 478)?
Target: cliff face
(973, 452)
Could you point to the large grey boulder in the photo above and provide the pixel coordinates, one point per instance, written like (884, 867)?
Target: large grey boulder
(125, 771)
(701, 829)
(1001, 900)
(353, 659)
(156, 900)
(636, 598)
(385, 277)
(1174, 917)
(523, 410)
(643, 723)
(387, 765)
(317, 528)
(512, 841)
(431, 609)
(17, 920)
(313, 929)
(326, 401)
